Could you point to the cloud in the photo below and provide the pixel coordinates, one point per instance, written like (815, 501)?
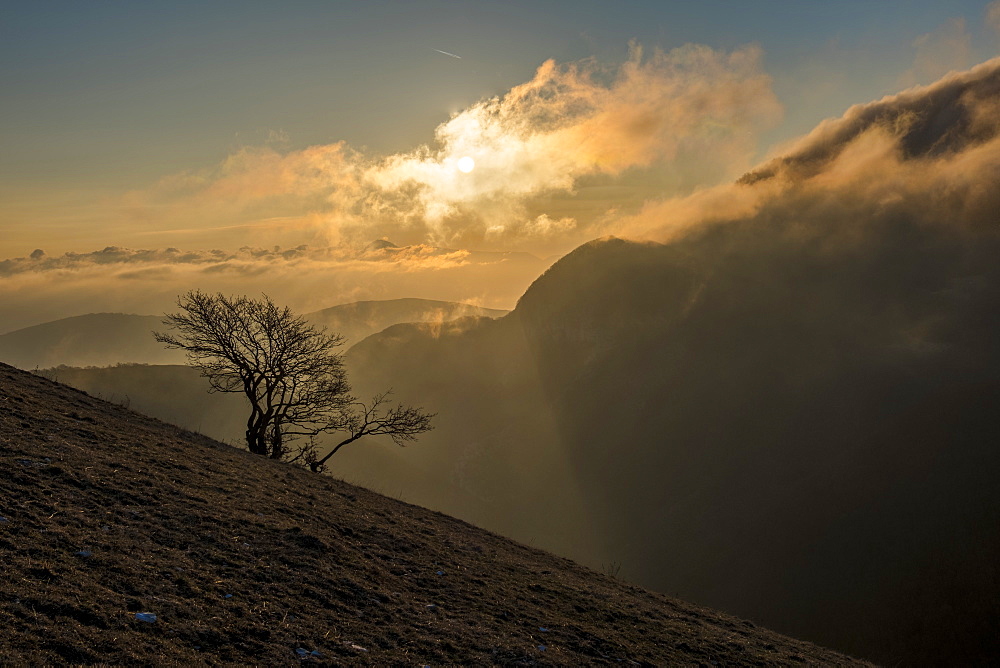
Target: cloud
(578, 120)
(929, 154)
(256, 190)
(689, 114)
(43, 287)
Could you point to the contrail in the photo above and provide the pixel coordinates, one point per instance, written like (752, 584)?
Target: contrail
(447, 54)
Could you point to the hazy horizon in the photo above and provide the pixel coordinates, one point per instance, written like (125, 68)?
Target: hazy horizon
(165, 135)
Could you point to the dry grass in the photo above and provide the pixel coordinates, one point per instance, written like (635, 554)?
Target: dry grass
(107, 513)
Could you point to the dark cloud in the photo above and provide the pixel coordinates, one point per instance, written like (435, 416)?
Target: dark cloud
(955, 114)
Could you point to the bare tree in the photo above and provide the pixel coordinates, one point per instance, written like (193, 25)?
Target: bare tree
(290, 372)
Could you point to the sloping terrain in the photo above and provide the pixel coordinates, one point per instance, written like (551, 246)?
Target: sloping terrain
(174, 393)
(110, 518)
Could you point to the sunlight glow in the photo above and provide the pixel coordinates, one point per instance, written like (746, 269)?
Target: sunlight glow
(466, 164)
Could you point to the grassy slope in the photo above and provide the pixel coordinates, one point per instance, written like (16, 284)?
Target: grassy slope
(107, 513)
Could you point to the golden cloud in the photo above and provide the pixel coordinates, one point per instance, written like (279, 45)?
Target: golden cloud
(993, 15)
(579, 120)
(40, 288)
(695, 109)
(929, 154)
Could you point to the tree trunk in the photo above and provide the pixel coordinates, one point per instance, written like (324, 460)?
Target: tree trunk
(277, 447)
(257, 432)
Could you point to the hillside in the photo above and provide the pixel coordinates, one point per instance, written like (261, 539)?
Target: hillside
(108, 515)
(174, 393)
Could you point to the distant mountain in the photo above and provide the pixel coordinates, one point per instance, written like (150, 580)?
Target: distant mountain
(360, 319)
(789, 411)
(130, 541)
(95, 339)
(791, 429)
(746, 432)
(147, 281)
(104, 339)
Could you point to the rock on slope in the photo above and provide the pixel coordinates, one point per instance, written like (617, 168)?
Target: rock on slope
(107, 514)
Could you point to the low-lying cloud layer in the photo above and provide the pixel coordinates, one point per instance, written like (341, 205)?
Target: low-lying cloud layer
(39, 288)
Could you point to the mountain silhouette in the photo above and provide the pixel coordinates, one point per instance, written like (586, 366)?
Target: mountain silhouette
(94, 339)
(105, 339)
(357, 320)
(786, 412)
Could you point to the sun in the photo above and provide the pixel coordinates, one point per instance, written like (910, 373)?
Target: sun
(466, 164)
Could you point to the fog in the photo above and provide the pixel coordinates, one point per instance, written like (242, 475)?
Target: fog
(786, 411)
(779, 401)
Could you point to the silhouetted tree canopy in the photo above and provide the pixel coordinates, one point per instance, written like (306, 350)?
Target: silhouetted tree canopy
(290, 372)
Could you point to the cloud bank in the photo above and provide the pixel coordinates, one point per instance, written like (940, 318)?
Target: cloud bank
(691, 105)
(579, 151)
(38, 288)
(930, 153)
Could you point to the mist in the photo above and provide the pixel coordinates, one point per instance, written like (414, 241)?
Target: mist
(785, 411)
(776, 397)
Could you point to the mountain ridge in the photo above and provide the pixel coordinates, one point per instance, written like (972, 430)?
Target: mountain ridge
(103, 339)
(801, 383)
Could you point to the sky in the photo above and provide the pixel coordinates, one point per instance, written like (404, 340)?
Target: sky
(217, 126)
